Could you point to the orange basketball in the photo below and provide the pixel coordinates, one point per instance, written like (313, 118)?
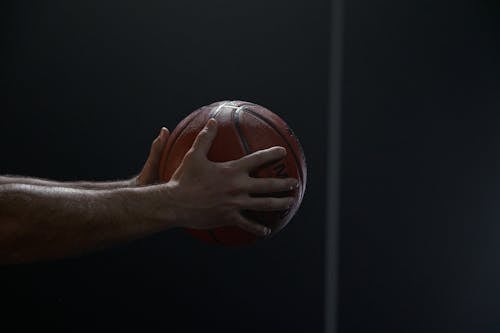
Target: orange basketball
(243, 128)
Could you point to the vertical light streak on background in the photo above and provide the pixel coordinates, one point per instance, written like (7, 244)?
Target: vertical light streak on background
(333, 166)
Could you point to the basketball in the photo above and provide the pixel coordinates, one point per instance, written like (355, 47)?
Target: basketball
(243, 128)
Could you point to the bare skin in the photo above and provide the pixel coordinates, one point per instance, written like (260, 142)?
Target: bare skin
(44, 220)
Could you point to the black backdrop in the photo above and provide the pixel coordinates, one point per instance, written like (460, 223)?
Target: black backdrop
(86, 86)
(420, 229)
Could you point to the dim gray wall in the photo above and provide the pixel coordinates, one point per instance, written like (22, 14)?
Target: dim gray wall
(420, 179)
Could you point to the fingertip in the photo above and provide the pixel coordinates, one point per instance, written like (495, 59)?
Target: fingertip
(253, 227)
(262, 230)
(164, 132)
(205, 137)
(281, 150)
(212, 123)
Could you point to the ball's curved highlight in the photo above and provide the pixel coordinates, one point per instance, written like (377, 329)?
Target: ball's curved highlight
(243, 128)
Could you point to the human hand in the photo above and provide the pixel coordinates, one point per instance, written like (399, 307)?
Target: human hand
(206, 194)
(150, 172)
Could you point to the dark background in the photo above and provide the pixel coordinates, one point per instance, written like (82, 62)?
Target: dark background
(85, 88)
(420, 180)
(87, 85)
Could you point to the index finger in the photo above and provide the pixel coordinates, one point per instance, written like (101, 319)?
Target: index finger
(260, 157)
(205, 137)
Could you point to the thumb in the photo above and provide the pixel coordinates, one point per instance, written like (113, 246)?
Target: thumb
(204, 139)
(158, 144)
(149, 173)
(164, 135)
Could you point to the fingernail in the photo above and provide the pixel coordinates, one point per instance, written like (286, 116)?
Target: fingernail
(209, 125)
(282, 151)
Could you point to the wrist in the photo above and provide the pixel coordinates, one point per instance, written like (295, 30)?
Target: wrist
(151, 205)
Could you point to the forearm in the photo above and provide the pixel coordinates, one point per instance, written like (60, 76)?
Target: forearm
(108, 185)
(40, 222)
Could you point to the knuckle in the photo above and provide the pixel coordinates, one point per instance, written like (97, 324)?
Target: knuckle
(230, 166)
(235, 202)
(265, 203)
(200, 137)
(204, 132)
(230, 174)
(190, 154)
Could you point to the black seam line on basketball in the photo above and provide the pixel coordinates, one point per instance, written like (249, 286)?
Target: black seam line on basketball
(284, 139)
(236, 119)
(179, 134)
(247, 104)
